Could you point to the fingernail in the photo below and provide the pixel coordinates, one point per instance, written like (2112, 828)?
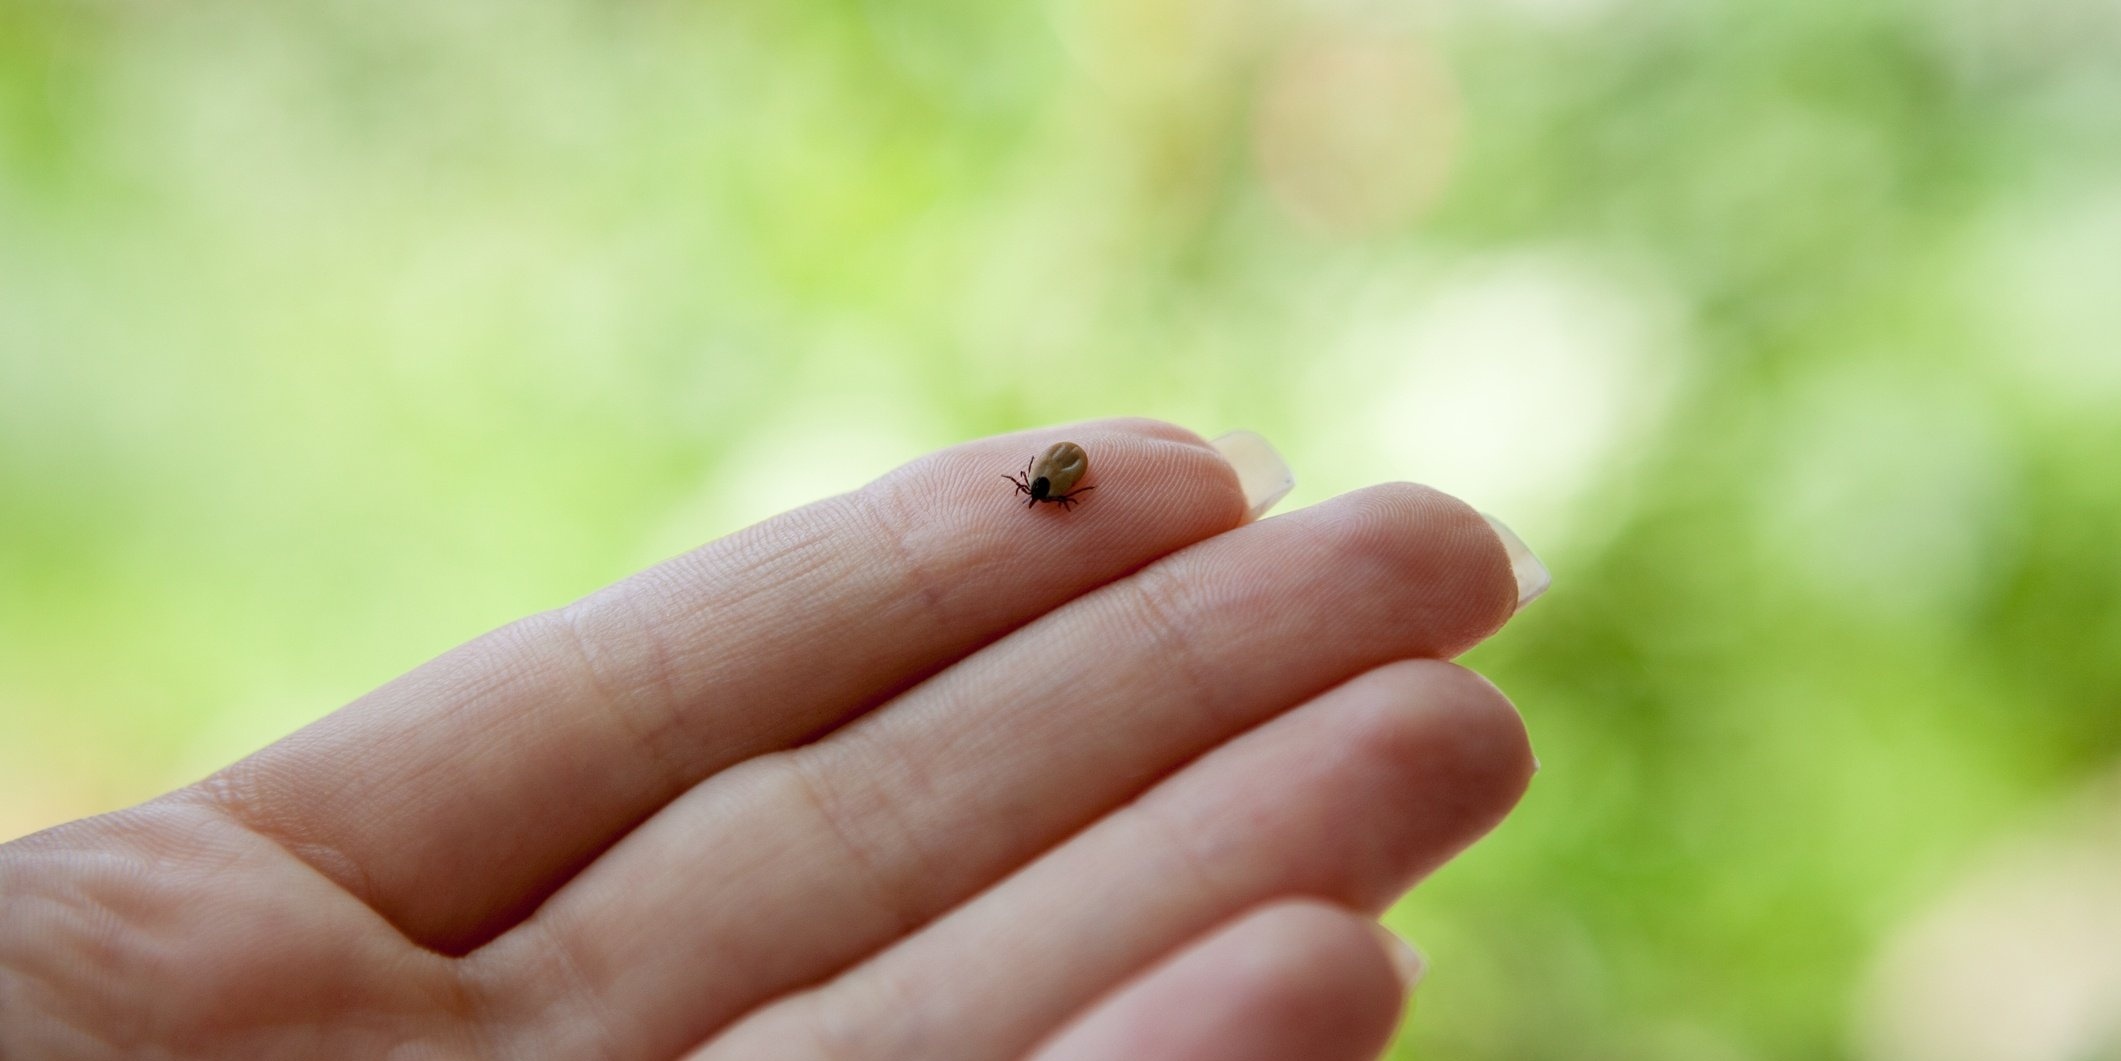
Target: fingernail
(1409, 963)
(1532, 576)
(1261, 473)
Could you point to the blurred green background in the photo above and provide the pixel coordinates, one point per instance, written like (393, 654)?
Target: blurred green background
(332, 334)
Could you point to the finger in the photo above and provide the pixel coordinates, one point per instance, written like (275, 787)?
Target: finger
(1298, 979)
(800, 864)
(454, 799)
(1350, 799)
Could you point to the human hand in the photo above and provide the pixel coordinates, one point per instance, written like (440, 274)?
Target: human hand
(908, 773)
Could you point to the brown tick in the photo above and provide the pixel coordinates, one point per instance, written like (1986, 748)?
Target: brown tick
(1050, 474)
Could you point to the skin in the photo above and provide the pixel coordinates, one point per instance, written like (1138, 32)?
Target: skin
(849, 784)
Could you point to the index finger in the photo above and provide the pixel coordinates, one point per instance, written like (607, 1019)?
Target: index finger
(455, 798)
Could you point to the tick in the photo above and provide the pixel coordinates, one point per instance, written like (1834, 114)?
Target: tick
(1050, 474)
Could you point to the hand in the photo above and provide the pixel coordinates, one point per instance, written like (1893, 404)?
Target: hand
(909, 773)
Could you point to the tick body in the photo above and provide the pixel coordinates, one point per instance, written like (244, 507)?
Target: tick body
(1052, 475)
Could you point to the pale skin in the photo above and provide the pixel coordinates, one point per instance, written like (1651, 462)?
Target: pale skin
(912, 773)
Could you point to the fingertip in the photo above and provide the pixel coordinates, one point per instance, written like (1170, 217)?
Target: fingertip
(1295, 978)
(1153, 481)
(1419, 535)
(1458, 716)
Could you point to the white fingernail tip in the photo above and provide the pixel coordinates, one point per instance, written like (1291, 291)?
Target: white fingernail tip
(1261, 473)
(1407, 959)
(1532, 576)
